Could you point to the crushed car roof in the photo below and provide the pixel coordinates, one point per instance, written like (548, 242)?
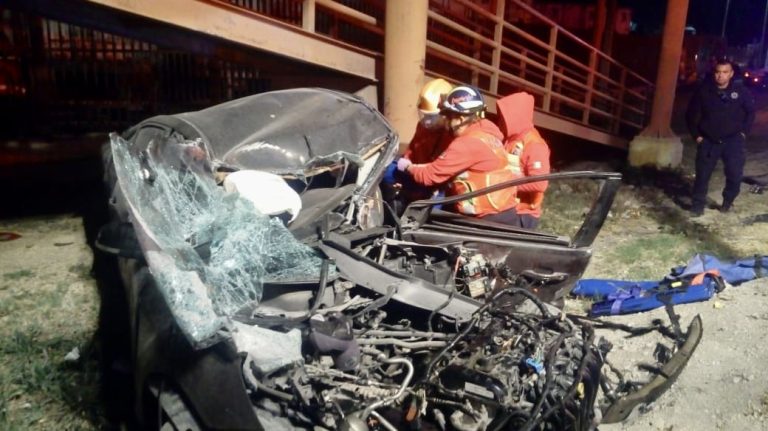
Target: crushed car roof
(284, 132)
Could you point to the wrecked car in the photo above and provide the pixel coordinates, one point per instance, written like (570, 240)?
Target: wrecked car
(269, 286)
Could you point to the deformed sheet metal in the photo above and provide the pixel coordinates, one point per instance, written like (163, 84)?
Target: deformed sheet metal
(408, 290)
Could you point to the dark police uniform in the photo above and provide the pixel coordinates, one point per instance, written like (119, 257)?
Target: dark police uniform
(723, 119)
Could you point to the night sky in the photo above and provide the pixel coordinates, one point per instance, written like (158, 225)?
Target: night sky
(745, 17)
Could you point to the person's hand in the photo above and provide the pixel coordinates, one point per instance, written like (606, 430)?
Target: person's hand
(699, 139)
(402, 164)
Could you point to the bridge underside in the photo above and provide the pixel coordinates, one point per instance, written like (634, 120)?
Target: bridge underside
(203, 29)
(281, 55)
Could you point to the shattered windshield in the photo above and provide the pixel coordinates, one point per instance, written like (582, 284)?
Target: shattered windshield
(210, 252)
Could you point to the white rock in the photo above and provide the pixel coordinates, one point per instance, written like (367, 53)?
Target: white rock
(73, 355)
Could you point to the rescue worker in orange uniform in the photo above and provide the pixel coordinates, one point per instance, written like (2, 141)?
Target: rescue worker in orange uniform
(429, 140)
(528, 156)
(431, 136)
(474, 159)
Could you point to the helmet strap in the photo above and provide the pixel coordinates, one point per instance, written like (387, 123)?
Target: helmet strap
(469, 119)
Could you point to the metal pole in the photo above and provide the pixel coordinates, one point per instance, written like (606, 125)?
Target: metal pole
(762, 57)
(725, 17)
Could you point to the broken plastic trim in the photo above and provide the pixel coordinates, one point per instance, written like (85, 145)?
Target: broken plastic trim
(621, 409)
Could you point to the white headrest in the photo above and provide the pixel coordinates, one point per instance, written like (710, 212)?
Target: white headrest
(269, 193)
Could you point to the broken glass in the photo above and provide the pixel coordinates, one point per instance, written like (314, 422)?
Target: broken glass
(195, 234)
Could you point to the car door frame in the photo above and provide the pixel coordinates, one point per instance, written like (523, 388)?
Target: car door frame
(550, 264)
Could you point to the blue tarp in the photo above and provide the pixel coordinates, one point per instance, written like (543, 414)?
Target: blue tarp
(696, 281)
(732, 272)
(625, 297)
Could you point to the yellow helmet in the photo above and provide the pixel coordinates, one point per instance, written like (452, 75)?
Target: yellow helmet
(432, 94)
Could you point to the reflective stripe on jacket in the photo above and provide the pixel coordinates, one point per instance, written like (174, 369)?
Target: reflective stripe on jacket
(471, 180)
(529, 201)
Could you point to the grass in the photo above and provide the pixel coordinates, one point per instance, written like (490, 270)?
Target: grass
(42, 391)
(80, 269)
(18, 275)
(641, 257)
(48, 306)
(648, 230)
(651, 256)
(647, 244)
(625, 242)
(566, 204)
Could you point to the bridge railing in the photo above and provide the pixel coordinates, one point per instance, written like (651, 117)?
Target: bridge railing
(514, 47)
(500, 46)
(358, 23)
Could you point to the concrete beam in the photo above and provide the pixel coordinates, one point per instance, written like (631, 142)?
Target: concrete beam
(251, 30)
(657, 145)
(561, 125)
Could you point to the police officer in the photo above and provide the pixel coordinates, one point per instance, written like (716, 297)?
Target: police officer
(719, 117)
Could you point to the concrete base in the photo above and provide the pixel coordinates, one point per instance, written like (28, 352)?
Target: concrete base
(656, 152)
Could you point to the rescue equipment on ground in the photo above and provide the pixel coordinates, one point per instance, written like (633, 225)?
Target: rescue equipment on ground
(698, 280)
(734, 273)
(626, 297)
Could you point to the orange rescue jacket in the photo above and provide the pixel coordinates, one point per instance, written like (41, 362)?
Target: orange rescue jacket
(472, 179)
(517, 150)
(528, 152)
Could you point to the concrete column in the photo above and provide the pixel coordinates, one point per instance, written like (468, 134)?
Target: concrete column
(405, 45)
(601, 12)
(657, 145)
(610, 28)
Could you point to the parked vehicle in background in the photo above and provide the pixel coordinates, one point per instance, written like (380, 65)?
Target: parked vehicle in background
(755, 78)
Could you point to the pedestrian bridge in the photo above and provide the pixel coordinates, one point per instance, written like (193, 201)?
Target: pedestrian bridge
(499, 46)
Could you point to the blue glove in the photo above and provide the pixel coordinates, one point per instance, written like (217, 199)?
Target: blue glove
(391, 174)
(403, 164)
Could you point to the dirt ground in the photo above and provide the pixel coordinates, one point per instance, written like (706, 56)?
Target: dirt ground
(49, 307)
(725, 384)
